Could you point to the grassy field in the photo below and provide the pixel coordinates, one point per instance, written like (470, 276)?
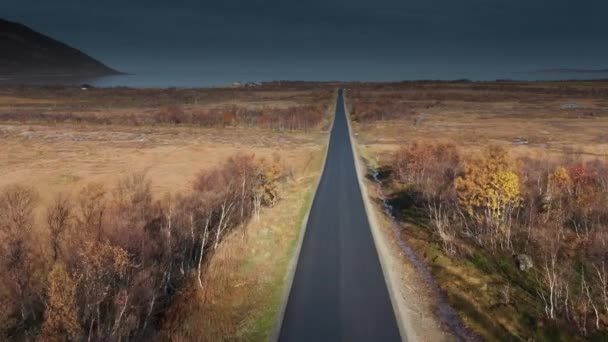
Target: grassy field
(57, 140)
(281, 106)
(547, 118)
(62, 156)
(540, 125)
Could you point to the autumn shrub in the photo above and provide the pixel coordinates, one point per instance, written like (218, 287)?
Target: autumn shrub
(429, 166)
(61, 315)
(428, 169)
(560, 181)
(554, 211)
(21, 286)
(295, 117)
(373, 109)
(488, 184)
(91, 207)
(269, 175)
(58, 220)
(308, 106)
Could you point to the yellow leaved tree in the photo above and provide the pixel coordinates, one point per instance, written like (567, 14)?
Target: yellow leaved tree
(266, 191)
(502, 193)
(560, 179)
(488, 190)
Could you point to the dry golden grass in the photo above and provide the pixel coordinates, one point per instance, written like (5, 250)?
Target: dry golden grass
(117, 100)
(63, 158)
(12, 101)
(528, 118)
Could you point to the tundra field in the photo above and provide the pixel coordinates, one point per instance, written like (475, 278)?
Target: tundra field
(153, 212)
(500, 189)
(173, 213)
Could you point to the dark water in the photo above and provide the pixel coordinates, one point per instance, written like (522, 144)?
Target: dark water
(225, 74)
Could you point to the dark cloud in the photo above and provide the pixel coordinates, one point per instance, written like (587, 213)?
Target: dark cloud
(382, 30)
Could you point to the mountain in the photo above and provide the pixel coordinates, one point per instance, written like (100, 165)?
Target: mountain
(25, 52)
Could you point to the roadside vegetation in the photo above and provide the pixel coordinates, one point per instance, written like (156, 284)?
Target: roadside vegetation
(514, 233)
(533, 232)
(161, 214)
(245, 280)
(108, 262)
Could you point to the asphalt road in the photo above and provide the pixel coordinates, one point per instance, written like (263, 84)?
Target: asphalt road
(339, 292)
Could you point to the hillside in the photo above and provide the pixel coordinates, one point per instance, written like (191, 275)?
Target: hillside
(25, 52)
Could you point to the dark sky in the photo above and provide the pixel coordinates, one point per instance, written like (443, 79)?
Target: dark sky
(552, 33)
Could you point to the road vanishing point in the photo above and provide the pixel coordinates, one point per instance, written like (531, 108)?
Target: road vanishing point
(339, 292)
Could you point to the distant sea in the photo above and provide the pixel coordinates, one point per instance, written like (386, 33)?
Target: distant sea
(226, 75)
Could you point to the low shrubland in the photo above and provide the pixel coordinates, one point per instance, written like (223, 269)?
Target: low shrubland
(371, 103)
(106, 263)
(301, 117)
(291, 107)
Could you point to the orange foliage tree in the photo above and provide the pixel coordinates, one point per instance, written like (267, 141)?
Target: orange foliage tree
(62, 317)
(488, 190)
